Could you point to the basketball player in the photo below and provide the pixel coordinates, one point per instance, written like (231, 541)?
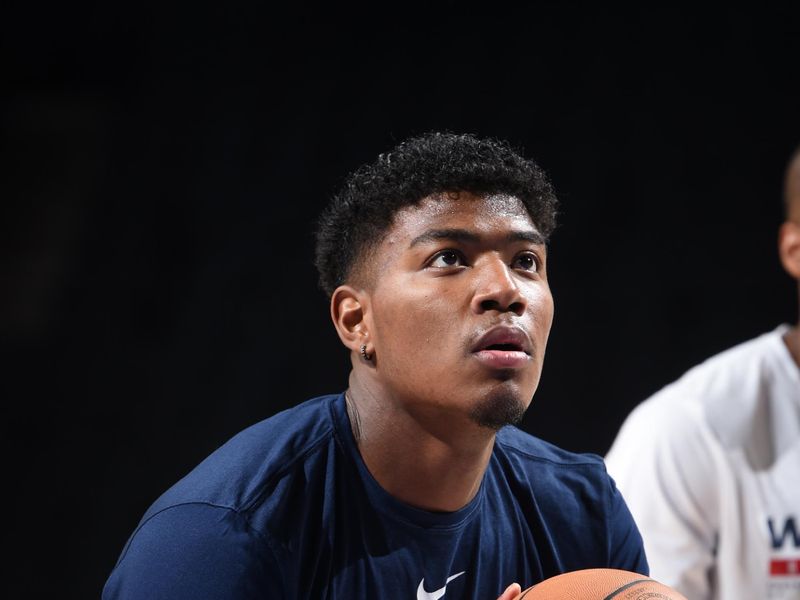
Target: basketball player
(414, 482)
(710, 465)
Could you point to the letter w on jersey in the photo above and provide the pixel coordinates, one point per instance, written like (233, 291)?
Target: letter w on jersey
(781, 565)
(789, 529)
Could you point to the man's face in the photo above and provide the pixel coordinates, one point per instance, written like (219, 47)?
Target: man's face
(461, 308)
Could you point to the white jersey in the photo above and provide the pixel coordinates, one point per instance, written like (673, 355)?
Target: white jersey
(710, 468)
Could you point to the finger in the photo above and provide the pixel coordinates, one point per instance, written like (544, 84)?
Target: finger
(511, 592)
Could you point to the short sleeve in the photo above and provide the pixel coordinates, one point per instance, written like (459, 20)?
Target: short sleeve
(195, 551)
(662, 461)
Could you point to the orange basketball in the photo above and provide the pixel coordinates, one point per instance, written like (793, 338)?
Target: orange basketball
(600, 584)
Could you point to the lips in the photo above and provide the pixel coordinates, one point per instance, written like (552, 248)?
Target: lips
(504, 347)
(504, 337)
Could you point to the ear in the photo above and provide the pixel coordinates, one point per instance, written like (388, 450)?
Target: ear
(789, 248)
(350, 312)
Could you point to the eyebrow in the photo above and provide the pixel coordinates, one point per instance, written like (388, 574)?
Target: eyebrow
(467, 236)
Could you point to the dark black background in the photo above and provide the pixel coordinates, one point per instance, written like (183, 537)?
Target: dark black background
(163, 164)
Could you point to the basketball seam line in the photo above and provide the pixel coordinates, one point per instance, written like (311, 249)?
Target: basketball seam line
(623, 588)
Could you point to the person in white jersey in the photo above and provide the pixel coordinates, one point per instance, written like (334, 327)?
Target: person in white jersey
(710, 464)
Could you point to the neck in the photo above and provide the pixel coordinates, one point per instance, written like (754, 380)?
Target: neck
(434, 461)
(792, 340)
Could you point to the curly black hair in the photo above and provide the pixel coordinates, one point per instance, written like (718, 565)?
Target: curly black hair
(436, 162)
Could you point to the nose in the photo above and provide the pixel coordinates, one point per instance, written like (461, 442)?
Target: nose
(497, 290)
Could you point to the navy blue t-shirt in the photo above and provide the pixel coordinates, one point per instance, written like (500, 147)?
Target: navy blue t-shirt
(288, 509)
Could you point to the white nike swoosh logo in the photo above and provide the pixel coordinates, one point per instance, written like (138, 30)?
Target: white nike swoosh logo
(423, 595)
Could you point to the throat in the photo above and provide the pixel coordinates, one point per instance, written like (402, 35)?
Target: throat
(792, 340)
(425, 472)
(431, 460)
(353, 416)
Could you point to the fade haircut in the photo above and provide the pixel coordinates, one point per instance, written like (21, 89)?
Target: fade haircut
(363, 210)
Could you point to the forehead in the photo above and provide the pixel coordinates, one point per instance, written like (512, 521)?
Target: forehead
(482, 214)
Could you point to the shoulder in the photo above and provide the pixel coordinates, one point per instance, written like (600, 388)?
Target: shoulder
(194, 550)
(206, 535)
(719, 397)
(736, 370)
(515, 442)
(235, 474)
(574, 496)
(548, 468)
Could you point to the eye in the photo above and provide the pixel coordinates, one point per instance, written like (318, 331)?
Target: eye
(526, 261)
(446, 259)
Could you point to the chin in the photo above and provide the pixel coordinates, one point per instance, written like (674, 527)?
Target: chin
(499, 409)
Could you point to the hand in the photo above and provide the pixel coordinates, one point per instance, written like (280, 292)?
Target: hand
(511, 592)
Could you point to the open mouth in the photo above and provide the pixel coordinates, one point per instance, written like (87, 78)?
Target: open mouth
(504, 338)
(506, 347)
